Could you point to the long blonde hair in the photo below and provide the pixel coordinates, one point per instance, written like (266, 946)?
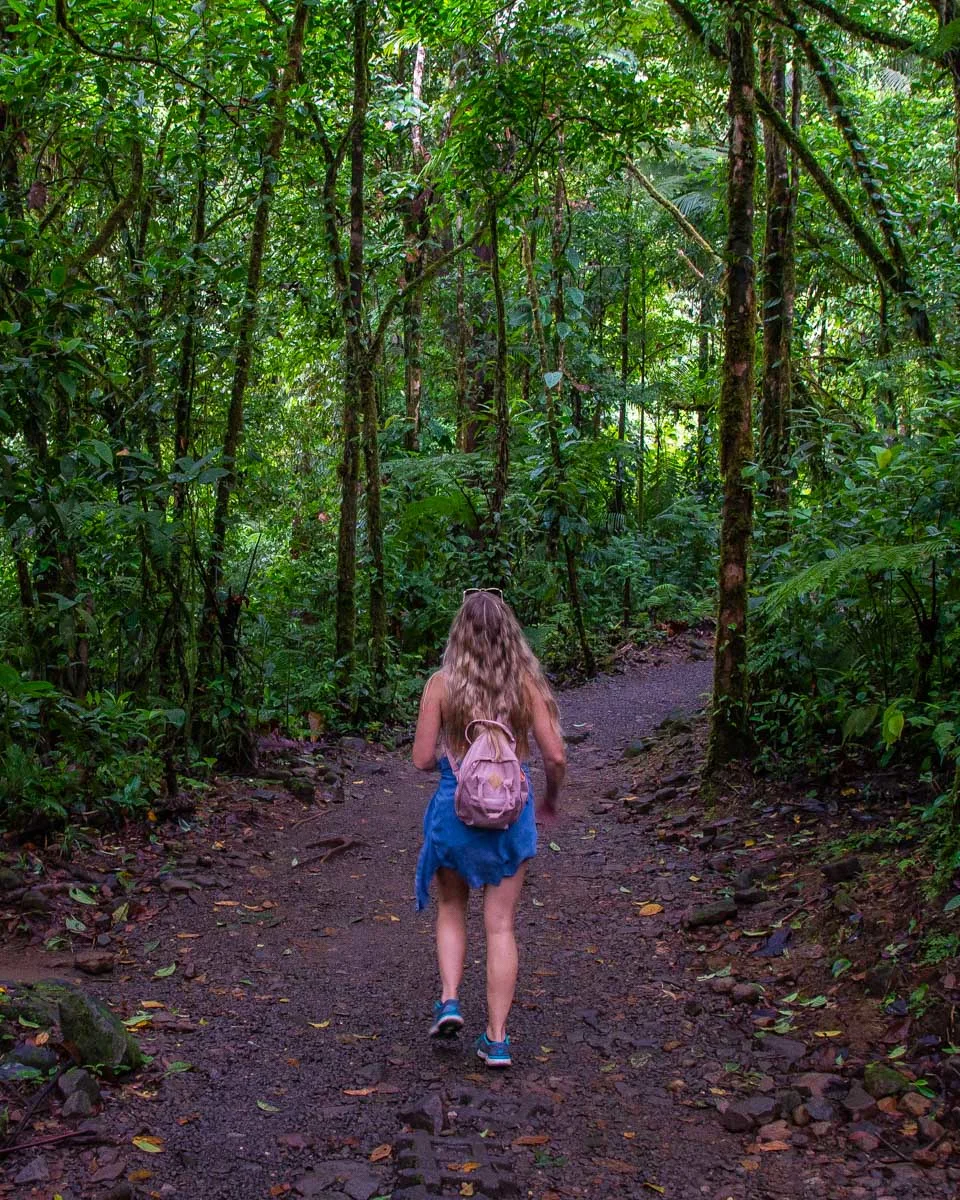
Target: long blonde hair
(489, 670)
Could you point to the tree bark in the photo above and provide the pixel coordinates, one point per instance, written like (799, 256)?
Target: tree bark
(573, 583)
(778, 291)
(222, 613)
(417, 229)
(729, 732)
(357, 364)
(501, 408)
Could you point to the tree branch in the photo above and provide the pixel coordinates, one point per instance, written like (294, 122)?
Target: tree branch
(114, 56)
(860, 29)
(121, 211)
(668, 206)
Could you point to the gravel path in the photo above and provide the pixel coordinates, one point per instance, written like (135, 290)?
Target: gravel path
(302, 991)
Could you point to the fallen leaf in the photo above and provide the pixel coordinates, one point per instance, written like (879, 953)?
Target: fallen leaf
(367, 1091)
(649, 910)
(319, 1024)
(141, 1175)
(466, 1189)
(617, 1165)
(226, 904)
(381, 1152)
(151, 1145)
(188, 935)
(152, 1004)
(531, 1139)
(654, 1187)
(41, 1039)
(266, 1107)
(762, 1147)
(164, 972)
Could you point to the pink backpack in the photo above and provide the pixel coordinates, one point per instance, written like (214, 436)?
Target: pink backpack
(491, 786)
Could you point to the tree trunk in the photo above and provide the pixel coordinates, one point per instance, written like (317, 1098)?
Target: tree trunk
(463, 338)
(778, 289)
(619, 500)
(357, 363)
(573, 583)
(378, 586)
(729, 733)
(501, 407)
(221, 614)
(417, 229)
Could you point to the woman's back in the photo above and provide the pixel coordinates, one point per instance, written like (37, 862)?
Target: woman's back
(490, 672)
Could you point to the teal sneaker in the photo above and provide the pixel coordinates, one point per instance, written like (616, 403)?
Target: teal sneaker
(447, 1019)
(494, 1054)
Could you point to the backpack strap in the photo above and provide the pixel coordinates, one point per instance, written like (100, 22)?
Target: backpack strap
(494, 724)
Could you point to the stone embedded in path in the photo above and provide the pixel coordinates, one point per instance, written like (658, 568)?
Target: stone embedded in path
(426, 1114)
(915, 1105)
(746, 993)
(782, 1047)
(36, 1171)
(744, 1115)
(879, 1080)
(859, 1104)
(817, 1083)
(711, 914)
(843, 870)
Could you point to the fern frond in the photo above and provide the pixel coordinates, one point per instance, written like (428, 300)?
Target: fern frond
(856, 560)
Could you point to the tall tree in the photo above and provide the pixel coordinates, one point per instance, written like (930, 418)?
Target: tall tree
(729, 731)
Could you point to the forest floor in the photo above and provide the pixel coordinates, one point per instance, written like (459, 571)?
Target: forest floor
(681, 1028)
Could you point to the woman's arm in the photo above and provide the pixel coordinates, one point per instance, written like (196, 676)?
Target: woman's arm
(547, 735)
(428, 724)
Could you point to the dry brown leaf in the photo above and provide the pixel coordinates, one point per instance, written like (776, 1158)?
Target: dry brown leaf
(649, 910)
(616, 1165)
(381, 1152)
(532, 1139)
(367, 1091)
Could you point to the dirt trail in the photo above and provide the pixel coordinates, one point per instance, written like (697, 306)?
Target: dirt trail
(305, 1018)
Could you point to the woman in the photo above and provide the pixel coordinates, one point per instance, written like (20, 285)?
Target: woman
(489, 672)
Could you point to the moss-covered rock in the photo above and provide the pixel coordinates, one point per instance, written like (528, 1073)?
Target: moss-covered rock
(881, 1080)
(87, 1025)
(100, 1038)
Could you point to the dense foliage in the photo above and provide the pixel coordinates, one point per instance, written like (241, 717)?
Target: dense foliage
(315, 314)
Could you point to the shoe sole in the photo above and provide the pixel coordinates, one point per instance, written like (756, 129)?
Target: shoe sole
(495, 1063)
(447, 1027)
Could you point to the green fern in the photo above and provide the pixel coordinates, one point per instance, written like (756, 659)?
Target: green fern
(826, 576)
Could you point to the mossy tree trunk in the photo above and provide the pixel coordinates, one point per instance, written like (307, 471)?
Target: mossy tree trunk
(729, 733)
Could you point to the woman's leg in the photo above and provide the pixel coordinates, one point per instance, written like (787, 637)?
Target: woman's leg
(499, 912)
(452, 896)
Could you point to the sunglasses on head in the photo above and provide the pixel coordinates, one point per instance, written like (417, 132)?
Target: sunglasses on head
(473, 591)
